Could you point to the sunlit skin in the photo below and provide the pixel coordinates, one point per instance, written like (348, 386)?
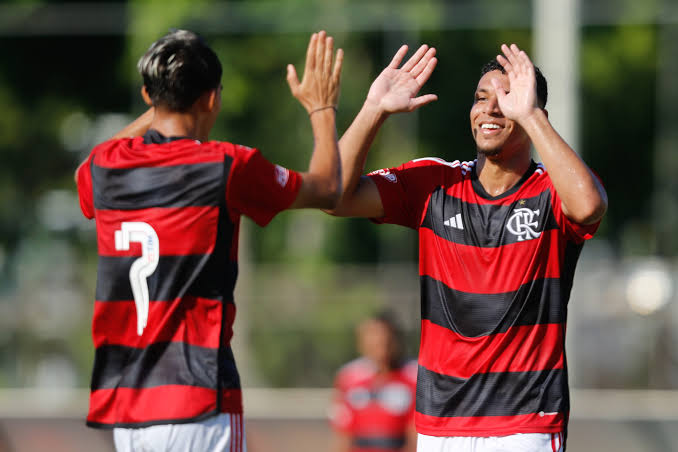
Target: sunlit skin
(509, 138)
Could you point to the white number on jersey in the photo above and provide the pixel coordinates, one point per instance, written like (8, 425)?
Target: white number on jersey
(142, 268)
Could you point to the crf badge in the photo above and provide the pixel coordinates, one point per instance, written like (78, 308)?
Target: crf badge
(523, 224)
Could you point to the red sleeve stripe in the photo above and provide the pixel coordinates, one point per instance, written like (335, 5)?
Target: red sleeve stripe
(490, 425)
(489, 270)
(520, 349)
(188, 230)
(191, 320)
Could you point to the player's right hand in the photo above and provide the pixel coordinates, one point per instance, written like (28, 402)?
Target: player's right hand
(395, 90)
(319, 87)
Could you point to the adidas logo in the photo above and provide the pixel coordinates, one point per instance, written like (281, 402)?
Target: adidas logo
(454, 222)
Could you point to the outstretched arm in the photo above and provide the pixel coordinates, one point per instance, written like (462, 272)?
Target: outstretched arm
(318, 92)
(394, 90)
(583, 197)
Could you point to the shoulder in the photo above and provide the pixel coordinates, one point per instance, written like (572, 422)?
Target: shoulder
(355, 371)
(427, 168)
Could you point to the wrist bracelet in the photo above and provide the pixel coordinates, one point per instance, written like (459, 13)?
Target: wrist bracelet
(322, 108)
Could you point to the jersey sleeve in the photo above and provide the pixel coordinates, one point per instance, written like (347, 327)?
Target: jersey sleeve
(405, 190)
(84, 183)
(258, 188)
(573, 231)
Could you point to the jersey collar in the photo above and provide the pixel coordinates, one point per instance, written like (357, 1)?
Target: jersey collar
(480, 191)
(155, 137)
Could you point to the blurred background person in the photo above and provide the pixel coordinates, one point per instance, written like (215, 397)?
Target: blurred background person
(373, 407)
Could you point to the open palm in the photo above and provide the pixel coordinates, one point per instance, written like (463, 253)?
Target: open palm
(521, 100)
(395, 90)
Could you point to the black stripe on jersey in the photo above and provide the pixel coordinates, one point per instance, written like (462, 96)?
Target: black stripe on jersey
(492, 394)
(187, 185)
(175, 276)
(485, 225)
(472, 315)
(166, 363)
(379, 442)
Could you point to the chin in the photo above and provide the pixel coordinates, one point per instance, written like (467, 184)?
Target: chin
(492, 152)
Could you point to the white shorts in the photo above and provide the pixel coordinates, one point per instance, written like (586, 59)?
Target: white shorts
(521, 442)
(221, 433)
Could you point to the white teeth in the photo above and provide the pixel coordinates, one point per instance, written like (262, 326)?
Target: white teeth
(490, 126)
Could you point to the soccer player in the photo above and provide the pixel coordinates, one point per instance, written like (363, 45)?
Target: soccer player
(499, 238)
(373, 407)
(167, 206)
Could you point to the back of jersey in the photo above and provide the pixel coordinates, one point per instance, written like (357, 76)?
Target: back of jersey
(167, 269)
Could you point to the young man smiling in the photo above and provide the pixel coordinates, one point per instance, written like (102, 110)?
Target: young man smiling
(499, 238)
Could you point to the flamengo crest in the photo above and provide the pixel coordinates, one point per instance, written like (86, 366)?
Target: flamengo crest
(523, 224)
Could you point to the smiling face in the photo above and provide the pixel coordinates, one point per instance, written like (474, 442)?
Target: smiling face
(495, 135)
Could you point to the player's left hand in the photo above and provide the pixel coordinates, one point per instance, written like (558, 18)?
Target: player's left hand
(521, 100)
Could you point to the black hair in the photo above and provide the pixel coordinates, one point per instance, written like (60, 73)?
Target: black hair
(178, 68)
(542, 89)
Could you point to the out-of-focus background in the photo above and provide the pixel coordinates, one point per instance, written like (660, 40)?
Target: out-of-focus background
(68, 80)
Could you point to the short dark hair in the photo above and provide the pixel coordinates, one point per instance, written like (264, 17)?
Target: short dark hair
(178, 68)
(542, 88)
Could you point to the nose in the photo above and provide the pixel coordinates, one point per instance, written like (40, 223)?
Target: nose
(492, 106)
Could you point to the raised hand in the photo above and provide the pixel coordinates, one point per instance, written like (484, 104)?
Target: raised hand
(521, 100)
(319, 87)
(395, 90)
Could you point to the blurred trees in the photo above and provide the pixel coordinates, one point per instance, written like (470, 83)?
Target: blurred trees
(58, 93)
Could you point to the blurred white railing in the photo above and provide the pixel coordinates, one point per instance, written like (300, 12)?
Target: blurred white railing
(312, 403)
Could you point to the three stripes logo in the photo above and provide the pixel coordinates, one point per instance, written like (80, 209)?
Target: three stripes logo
(454, 222)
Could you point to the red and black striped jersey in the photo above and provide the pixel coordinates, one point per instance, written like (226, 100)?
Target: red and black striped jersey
(167, 212)
(495, 275)
(375, 410)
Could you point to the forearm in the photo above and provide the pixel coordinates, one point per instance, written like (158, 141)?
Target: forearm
(354, 146)
(356, 142)
(324, 172)
(137, 127)
(583, 197)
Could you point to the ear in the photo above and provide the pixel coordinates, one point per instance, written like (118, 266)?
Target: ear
(146, 97)
(213, 99)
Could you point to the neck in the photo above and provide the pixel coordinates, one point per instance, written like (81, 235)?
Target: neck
(176, 124)
(498, 175)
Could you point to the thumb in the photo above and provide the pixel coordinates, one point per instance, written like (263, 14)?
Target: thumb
(292, 79)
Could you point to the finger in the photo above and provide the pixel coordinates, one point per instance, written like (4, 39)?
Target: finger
(421, 65)
(398, 57)
(310, 54)
(292, 79)
(327, 59)
(525, 60)
(510, 54)
(504, 63)
(320, 50)
(422, 100)
(426, 73)
(415, 58)
(338, 62)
